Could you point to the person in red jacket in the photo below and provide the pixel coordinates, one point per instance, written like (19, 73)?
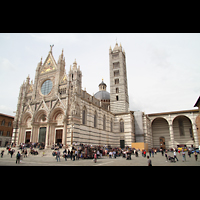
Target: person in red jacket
(145, 153)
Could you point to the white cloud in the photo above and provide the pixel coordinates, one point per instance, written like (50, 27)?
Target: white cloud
(6, 110)
(6, 65)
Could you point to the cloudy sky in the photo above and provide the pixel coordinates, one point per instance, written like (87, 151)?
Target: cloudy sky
(163, 69)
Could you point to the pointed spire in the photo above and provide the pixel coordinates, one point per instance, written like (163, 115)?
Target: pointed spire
(62, 54)
(75, 64)
(28, 79)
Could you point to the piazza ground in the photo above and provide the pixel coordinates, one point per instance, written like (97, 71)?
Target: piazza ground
(49, 160)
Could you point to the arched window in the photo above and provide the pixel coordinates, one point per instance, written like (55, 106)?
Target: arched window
(104, 122)
(121, 122)
(9, 124)
(3, 122)
(117, 90)
(95, 119)
(84, 115)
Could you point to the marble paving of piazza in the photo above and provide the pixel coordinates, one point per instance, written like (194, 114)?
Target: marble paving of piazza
(49, 160)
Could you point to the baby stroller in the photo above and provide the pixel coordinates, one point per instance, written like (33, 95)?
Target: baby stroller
(128, 156)
(171, 159)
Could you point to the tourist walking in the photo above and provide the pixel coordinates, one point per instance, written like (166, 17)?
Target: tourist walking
(18, 158)
(71, 154)
(175, 155)
(166, 155)
(110, 154)
(95, 157)
(58, 155)
(183, 155)
(195, 155)
(149, 161)
(144, 153)
(2, 152)
(150, 152)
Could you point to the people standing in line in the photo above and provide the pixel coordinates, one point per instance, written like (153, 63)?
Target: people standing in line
(58, 155)
(175, 155)
(195, 155)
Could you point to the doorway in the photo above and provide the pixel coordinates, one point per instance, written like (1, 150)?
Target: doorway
(42, 135)
(122, 144)
(59, 134)
(28, 136)
(162, 142)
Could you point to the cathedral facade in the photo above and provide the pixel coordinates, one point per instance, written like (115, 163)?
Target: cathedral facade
(55, 109)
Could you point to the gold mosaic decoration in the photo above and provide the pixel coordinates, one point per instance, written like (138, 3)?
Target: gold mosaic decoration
(49, 66)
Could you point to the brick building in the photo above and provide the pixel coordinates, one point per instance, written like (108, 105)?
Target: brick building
(6, 128)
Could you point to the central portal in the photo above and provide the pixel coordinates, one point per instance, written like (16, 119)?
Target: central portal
(42, 135)
(59, 134)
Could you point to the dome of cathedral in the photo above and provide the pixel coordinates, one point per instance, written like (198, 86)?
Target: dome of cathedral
(102, 95)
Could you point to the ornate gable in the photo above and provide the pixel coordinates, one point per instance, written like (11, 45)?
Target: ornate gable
(49, 64)
(64, 79)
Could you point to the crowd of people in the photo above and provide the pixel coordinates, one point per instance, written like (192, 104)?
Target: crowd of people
(85, 151)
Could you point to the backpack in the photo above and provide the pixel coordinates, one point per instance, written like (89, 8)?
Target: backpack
(18, 156)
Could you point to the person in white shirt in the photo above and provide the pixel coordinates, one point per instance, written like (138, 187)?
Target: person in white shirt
(175, 155)
(110, 154)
